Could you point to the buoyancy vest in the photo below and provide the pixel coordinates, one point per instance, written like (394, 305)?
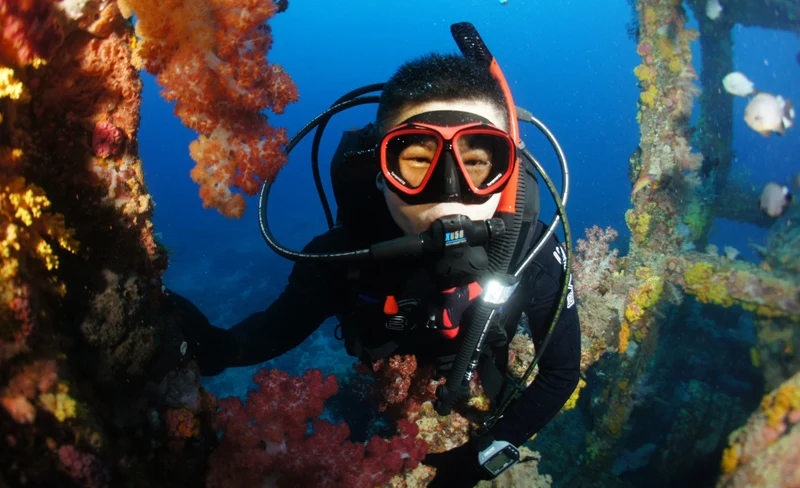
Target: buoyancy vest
(391, 304)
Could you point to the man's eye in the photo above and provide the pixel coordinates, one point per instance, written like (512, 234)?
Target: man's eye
(418, 161)
(417, 154)
(477, 162)
(476, 156)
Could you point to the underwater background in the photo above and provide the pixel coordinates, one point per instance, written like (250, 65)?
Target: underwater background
(569, 63)
(695, 341)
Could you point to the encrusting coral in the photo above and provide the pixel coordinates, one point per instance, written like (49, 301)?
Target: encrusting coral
(764, 451)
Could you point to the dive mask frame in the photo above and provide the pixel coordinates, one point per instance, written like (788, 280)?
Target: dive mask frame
(443, 154)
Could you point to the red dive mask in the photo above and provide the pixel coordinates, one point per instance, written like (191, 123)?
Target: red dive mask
(447, 156)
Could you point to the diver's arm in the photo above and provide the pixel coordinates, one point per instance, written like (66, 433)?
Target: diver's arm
(559, 366)
(309, 298)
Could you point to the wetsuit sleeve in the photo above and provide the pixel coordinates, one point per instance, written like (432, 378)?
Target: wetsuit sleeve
(559, 366)
(311, 296)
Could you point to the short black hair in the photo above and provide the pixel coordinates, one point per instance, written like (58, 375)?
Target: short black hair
(438, 77)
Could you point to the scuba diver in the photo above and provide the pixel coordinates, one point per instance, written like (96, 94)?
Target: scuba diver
(436, 251)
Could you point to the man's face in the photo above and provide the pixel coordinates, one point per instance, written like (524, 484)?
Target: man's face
(414, 219)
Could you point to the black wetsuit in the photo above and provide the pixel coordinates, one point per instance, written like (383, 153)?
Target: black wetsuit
(356, 295)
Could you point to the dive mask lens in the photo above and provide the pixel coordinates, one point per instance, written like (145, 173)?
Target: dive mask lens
(485, 156)
(410, 155)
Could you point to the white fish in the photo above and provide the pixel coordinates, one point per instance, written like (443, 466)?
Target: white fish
(713, 9)
(767, 113)
(775, 199)
(738, 84)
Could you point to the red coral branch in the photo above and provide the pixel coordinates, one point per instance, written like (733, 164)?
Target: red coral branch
(266, 438)
(401, 387)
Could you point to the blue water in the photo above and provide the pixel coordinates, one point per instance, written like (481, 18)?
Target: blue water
(569, 62)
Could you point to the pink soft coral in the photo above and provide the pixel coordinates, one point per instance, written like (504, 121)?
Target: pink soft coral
(594, 260)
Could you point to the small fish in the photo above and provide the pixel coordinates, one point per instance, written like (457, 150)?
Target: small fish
(775, 199)
(503, 2)
(713, 9)
(635, 165)
(642, 183)
(738, 84)
(796, 181)
(767, 113)
(670, 32)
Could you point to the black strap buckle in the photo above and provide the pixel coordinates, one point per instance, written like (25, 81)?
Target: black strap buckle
(398, 323)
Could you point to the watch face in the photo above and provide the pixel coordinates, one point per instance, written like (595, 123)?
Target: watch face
(499, 462)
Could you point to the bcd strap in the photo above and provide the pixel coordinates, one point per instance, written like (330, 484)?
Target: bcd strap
(359, 202)
(530, 217)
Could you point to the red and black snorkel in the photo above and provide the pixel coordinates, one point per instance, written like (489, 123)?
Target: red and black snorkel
(501, 282)
(502, 279)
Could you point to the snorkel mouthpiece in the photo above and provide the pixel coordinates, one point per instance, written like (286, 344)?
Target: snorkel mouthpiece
(444, 233)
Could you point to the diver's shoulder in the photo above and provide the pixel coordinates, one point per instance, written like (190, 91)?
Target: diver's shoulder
(552, 257)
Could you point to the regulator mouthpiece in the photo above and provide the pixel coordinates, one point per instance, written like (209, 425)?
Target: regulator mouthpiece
(444, 233)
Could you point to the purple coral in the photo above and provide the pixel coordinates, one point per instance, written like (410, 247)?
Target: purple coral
(84, 468)
(28, 30)
(107, 140)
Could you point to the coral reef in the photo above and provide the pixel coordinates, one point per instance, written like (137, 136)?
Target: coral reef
(718, 280)
(600, 284)
(673, 189)
(764, 451)
(96, 390)
(67, 216)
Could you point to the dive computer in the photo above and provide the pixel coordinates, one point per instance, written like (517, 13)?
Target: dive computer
(498, 457)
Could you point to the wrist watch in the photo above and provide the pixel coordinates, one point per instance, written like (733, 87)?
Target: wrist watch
(497, 456)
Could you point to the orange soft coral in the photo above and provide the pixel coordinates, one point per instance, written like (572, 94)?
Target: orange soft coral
(210, 57)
